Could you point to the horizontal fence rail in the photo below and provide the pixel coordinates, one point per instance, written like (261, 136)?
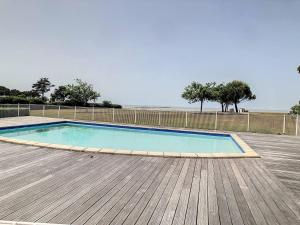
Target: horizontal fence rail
(270, 123)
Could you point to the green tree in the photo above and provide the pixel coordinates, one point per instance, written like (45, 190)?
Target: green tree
(239, 91)
(15, 92)
(59, 94)
(4, 91)
(42, 86)
(81, 93)
(296, 109)
(30, 94)
(221, 95)
(196, 92)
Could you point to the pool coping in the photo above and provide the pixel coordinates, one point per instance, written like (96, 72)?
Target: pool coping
(248, 152)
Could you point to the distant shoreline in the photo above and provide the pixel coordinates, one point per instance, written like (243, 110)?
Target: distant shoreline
(174, 108)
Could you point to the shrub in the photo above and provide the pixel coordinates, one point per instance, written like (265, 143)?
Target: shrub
(20, 100)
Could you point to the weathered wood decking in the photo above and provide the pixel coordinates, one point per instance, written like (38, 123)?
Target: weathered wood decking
(46, 185)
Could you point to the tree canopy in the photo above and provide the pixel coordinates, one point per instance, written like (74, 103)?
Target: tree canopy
(42, 86)
(221, 95)
(239, 91)
(296, 109)
(4, 91)
(196, 92)
(59, 94)
(81, 92)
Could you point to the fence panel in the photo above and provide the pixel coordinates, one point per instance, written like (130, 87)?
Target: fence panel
(103, 114)
(290, 124)
(84, 113)
(10, 110)
(147, 117)
(124, 116)
(36, 110)
(204, 120)
(172, 119)
(66, 112)
(51, 111)
(268, 123)
(232, 122)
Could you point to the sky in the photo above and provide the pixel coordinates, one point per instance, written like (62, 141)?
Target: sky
(139, 52)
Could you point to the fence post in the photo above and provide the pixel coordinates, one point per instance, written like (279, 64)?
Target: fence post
(135, 116)
(18, 109)
(43, 110)
(283, 127)
(58, 112)
(75, 112)
(186, 119)
(93, 113)
(297, 124)
(216, 121)
(159, 118)
(248, 122)
(113, 115)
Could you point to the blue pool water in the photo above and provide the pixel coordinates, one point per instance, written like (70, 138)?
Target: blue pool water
(118, 137)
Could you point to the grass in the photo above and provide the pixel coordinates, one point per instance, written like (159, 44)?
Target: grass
(271, 123)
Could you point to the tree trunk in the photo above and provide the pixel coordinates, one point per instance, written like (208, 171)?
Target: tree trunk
(201, 108)
(226, 107)
(222, 105)
(236, 107)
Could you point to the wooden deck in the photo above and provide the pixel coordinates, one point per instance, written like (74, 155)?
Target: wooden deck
(55, 186)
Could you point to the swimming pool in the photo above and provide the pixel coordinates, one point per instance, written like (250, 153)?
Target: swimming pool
(106, 136)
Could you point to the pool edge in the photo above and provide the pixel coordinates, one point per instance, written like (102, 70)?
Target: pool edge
(248, 152)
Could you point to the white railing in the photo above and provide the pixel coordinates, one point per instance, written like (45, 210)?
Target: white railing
(275, 123)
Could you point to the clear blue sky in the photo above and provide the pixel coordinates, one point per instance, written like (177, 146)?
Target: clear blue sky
(145, 52)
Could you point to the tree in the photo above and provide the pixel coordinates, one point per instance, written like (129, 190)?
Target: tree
(196, 92)
(30, 94)
(296, 109)
(59, 94)
(239, 91)
(221, 95)
(81, 93)
(4, 91)
(42, 86)
(15, 92)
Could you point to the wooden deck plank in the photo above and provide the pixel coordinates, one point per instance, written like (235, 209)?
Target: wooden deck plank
(22, 200)
(224, 214)
(202, 216)
(258, 198)
(235, 214)
(252, 204)
(44, 203)
(240, 199)
(180, 213)
(158, 213)
(213, 209)
(267, 195)
(136, 212)
(95, 203)
(68, 196)
(127, 202)
(137, 180)
(173, 202)
(191, 213)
